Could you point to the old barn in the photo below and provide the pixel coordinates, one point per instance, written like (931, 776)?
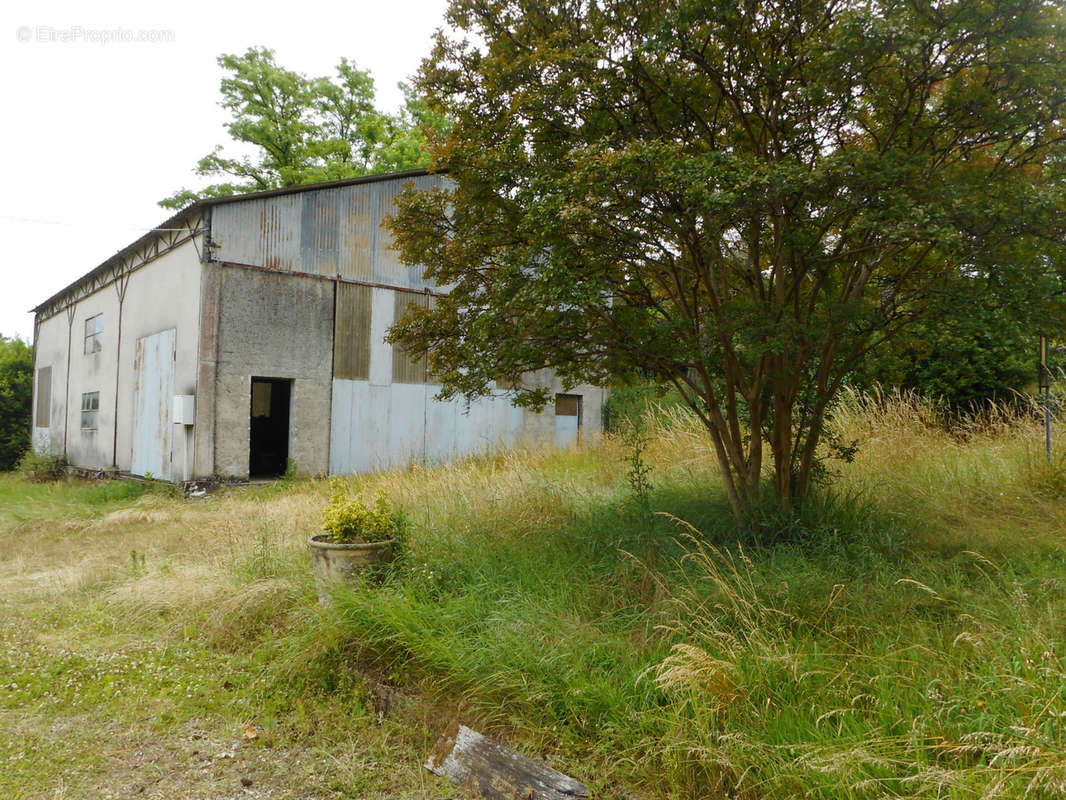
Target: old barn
(247, 331)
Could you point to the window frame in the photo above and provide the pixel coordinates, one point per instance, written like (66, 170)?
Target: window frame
(94, 339)
(90, 411)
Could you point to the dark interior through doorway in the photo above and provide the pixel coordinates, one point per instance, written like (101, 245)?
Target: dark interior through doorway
(269, 441)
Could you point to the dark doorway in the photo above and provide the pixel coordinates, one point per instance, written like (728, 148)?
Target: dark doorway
(269, 442)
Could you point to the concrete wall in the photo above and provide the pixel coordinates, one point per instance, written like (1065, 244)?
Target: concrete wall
(272, 325)
(540, 427)
(161, 295)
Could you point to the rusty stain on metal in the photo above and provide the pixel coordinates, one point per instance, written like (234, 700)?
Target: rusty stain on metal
(332, 232)
(351, 337)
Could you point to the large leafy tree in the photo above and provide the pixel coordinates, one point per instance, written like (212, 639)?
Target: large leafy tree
(16, 397)
(737, 198)
(290, 129)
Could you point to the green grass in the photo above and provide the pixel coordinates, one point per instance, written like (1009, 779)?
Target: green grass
(24, 501)
(902, 638)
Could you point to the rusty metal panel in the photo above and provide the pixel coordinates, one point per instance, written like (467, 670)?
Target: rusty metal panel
(404, 369)
(387, 267)
(351, 335)
(44, 397)
(328, 231)
(319, 228)
(358, 235)
(152, 393)
(262, 232)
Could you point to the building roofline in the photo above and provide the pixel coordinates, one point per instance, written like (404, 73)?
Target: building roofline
(207, 202)
(307, 187)
(118, 256)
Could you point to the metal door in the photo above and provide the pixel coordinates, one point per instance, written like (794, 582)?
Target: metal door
(153, 389)
(567, 419)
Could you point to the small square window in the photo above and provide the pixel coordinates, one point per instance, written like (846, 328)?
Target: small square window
(90, 408)
(94, 334)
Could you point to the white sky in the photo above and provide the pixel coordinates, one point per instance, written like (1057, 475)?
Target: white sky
(94, 134)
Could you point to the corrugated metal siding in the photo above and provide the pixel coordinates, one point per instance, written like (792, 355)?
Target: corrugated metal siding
(320, 230)
(382, 427)
(359, 234)
(264, 232)
(351, 338)
(404, 369)
(335, 231)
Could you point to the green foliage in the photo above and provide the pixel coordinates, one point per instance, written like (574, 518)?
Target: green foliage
(42, 467)
(638, 470)
(292, 471)
(16, 398)
(738, 201)
(349, 519)
(975, 352)
(628, 403)
(307, 130)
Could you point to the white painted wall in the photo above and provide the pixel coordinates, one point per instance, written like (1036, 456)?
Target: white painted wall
(50, 349)
(163, 294)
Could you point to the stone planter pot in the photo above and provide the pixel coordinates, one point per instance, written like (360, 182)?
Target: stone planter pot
(334, 562)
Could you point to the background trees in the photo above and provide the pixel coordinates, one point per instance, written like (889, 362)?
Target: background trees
(741, 200)
(16, 397)
(290, 129)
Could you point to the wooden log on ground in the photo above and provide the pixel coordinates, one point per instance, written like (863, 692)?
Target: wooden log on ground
(487, 768)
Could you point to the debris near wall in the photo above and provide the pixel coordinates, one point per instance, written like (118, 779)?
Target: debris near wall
(202, 487)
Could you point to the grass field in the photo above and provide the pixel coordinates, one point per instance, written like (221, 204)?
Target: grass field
(903, 639)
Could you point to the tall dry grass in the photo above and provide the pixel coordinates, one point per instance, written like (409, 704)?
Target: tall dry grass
(904, 642)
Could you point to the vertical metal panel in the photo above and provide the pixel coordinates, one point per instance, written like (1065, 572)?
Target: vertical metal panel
(404, 369)
(358, 234)
(319, 227)
(340, 428)
(376, 419)
(264, 232)
(383, 308)
(441, 422)
(351, 336)
(153, 390)
(407, 424)
(387, 266)
(44, 397)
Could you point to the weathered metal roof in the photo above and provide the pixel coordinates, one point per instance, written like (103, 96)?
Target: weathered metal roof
(181, 219)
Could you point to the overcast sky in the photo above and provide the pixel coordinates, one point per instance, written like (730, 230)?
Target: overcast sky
(96, 132)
